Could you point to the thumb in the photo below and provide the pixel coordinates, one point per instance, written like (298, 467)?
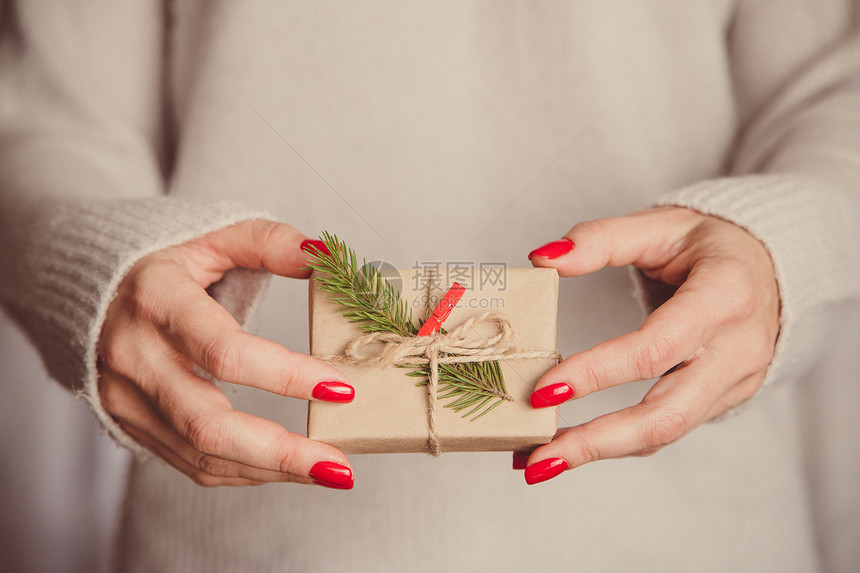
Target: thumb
(258, 244)
(646, 239)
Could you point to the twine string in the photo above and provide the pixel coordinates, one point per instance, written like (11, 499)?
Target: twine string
(434, 444)
(457, 346)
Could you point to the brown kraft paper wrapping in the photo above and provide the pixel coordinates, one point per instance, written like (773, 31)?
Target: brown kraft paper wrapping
(389, 413)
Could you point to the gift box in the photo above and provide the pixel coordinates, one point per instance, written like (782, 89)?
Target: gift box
(391, 412)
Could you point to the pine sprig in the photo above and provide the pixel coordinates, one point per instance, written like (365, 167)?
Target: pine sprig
(372, 304)
(368, 299)
(478, 387)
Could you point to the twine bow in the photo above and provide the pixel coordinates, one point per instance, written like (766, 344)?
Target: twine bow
(463, 344)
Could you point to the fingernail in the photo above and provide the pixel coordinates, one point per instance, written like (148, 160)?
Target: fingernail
(553, 250)
(521, 460)
(312, 246)
(332, 474)
(544, 470)
(334, 392)
(551, 395)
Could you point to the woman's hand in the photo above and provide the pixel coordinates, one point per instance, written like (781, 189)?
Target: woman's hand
(162, 323)
(716, 333)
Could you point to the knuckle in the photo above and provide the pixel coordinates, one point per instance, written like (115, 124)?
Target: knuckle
(203, 479)
(595, 228)
(118, 357)
(742, 308)
(756, 353)
(288, 454)
(656, 357)
(579, 450)
(593, 374)
(141, 289)
(741, 292)
(587, 453)
(288, 374)
(760, 356)
(112, 395)
(764, 341)
(263, 232)
(215, 466)
(664, 427)
(223, 358)
(204, 433)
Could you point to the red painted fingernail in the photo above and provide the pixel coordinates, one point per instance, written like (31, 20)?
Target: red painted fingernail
(551, 395)
(553, 250)
(332, 474)
(334, 392)
(311, 246)
(544, 470)
(521, 460)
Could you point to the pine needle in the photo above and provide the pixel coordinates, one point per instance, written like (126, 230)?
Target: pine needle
(371, 303)
(368, 299)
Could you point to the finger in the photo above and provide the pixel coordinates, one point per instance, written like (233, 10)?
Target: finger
(196, 475)
(671, 335)
(675, 405)
(205, 332)
(222, 349)
(259, 244)
(126, 403)
(203, 416)
(646, 239)
(521, 458)
(737, 395)
(144, 419)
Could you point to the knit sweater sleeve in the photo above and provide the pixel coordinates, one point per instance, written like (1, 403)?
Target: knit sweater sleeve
(81, 178)
(794, 179)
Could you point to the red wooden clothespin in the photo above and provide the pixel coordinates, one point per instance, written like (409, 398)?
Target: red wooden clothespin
(442, 310)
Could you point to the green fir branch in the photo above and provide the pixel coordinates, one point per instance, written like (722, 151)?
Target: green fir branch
(372, 304)
(368, 299)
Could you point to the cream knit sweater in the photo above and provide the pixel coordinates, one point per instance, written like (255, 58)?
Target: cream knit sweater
(452, 131)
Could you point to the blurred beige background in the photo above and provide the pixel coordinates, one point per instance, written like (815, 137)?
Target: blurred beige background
(60, 482)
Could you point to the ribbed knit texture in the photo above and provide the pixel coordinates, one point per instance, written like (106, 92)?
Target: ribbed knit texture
(795, 183)
(67, 260)
(807, 227)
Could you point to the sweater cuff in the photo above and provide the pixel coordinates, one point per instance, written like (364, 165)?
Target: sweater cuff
(92, 247)
(799, 221)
